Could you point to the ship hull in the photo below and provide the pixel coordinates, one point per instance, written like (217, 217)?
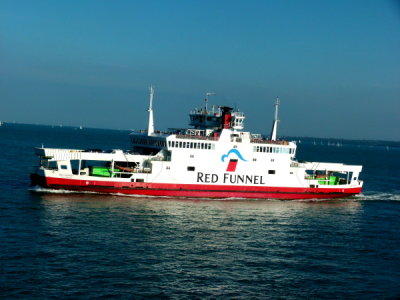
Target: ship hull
(192, 190)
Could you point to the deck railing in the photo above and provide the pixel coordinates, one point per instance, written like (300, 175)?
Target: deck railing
(197, 137)
(264, 141)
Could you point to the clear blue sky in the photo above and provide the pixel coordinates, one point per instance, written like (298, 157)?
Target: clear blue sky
(335, 64)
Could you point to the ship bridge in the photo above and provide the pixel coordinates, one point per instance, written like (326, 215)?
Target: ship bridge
(222, 117)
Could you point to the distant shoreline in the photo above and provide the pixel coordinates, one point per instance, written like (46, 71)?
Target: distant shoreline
(306, 139)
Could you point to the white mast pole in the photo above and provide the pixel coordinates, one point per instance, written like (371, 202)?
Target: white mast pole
(275, 124)
(150, 130)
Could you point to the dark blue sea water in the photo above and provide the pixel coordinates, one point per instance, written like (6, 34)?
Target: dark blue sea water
(75, 246)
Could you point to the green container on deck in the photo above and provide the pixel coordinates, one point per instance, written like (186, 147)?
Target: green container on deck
(103, 171)
(331, 180)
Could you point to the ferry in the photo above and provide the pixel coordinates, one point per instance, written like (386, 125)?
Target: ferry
(213, 158)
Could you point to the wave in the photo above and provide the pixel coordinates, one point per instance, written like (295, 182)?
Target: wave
(366, 196)
(382, 196)
(39, 189)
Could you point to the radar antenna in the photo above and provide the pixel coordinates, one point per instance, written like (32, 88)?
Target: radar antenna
(206, 100)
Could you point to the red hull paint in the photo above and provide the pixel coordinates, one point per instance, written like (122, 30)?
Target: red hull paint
(194, 190)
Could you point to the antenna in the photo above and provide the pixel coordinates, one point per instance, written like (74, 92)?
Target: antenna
(208, 94)
(150, 129)
(275, 124)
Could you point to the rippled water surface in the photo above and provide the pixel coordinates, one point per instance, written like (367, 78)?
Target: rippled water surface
(72, 245)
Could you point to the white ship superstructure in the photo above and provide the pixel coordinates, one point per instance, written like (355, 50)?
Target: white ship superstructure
(215, 158)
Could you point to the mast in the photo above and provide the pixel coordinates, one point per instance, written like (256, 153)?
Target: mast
(275, 124)
(150, 130)
(206, 100)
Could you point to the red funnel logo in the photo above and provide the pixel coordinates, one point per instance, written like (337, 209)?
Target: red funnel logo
(232, 161)
(232, 165)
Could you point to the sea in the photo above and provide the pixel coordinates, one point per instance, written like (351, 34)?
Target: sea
(79, 246)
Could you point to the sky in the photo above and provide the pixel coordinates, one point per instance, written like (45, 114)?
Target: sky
(334, 64)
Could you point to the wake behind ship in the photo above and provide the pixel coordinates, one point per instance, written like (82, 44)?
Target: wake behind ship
(214, 158)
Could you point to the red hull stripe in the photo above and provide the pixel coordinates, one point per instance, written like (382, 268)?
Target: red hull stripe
(194, 190)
